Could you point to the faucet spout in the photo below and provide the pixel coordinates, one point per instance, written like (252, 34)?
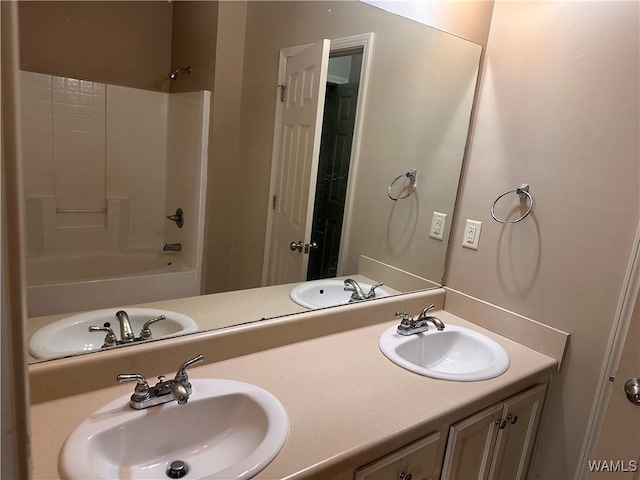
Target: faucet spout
(126, 331)
(172, 247)
(179, 391)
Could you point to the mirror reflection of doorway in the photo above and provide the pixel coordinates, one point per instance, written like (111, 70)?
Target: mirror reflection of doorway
(297, 168)
(341, 99)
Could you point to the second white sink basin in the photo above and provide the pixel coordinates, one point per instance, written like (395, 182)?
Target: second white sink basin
(455, 353)
(226, 430)
(71, 335)
(327, 293)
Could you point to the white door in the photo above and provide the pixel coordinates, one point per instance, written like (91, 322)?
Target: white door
(305, 81)
(617, 455)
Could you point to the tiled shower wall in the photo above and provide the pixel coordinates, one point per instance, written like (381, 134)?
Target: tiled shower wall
(94, 164)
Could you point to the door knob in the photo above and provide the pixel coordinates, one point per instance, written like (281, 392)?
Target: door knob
(632, 389)
(296, 246)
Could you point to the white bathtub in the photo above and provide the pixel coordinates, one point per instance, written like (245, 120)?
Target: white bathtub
(78, 282)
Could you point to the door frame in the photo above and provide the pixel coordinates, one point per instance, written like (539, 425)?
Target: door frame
(364, 41)
(619, 330)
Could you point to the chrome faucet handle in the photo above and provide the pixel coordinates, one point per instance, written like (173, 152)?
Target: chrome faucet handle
(404, 317)
(178, 217)
(109, 339)
(142, 391)
(145, 333)
(181, 374)
(372, 290)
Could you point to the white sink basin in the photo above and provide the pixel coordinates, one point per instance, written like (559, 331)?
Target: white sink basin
(71, 335)
(327, 293)
(456, 353)
(227, 429)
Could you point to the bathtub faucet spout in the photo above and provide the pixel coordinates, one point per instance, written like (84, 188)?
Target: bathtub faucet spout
(172, 247)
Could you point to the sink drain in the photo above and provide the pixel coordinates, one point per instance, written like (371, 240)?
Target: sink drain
(177, 469)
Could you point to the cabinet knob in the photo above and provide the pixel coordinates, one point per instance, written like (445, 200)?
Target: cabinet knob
(404, 475)
(512, 418)
(501, 423)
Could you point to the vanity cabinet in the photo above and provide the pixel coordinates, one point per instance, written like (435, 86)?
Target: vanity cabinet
(496, 443)
(420, 460)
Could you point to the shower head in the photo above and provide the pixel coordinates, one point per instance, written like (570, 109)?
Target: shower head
(174, 75)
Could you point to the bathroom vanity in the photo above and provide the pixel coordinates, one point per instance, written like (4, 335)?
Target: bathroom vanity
(352, 412)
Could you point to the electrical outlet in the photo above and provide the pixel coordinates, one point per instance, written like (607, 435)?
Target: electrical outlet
(438, 223)
(471, 234)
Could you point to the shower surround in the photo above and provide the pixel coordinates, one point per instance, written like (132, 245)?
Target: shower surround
(103, 166)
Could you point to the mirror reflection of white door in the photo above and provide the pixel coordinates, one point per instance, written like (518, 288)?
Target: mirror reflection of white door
(301, 128)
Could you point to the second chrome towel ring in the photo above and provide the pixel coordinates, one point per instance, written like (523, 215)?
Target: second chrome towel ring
(523, 193)
(411, 174)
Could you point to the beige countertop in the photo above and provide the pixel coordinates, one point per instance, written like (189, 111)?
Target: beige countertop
(347, 403)
(220, 309)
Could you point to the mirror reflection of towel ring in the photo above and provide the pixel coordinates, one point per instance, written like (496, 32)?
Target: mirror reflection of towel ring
(411, 174)
(523, 193)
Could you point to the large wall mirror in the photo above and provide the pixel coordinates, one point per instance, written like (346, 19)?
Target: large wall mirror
(302, 142)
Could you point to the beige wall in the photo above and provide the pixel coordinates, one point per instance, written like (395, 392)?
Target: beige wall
(558, 109)
(224, 178)
(466, 19)
(193, 43)
(398, 133)
(124, 43)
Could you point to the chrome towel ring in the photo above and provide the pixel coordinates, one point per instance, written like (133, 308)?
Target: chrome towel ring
(523, 193)
(411, 174)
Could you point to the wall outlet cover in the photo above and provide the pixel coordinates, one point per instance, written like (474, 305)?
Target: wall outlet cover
(438, 224)
(471, 235)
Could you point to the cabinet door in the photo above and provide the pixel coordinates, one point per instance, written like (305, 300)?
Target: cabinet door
(419, 460)
(515, 441)
(471, 445)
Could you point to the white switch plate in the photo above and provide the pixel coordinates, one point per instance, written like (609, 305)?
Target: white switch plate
(438, 223)
(471, 234)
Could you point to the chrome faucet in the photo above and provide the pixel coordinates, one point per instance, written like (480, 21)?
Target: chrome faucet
(358, 294)
(126, 330)
(178, 388)
(172, 247)
(410, 325)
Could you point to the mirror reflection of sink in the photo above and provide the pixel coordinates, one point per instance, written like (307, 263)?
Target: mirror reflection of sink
(71, 335)
(327, 293)
(456, 353)
(227, 429)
